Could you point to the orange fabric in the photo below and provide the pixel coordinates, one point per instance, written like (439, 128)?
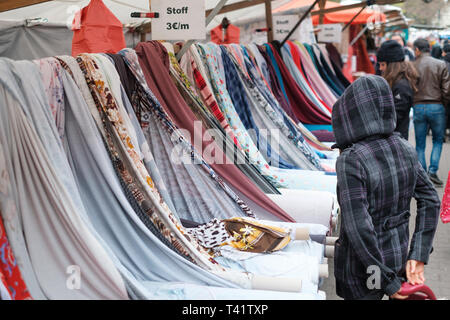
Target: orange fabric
(232, 35)
(100, 31)
(343, 16)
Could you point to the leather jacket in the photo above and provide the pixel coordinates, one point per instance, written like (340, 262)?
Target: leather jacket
(434, 80)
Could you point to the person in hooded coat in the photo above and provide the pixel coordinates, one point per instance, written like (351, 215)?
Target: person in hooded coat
(378, 173)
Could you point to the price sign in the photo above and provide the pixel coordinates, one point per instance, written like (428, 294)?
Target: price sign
(283, 24)
(179, 20)
(330, 33)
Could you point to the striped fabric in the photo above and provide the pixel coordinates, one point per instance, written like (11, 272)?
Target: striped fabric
(211, 102)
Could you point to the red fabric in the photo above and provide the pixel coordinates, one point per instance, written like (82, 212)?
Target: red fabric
(342, 16)
(303, 108)
(232, 35)
(211, 102)
(363, 62)
(445, 207)
(100, 32)
(297, 59)
(9, 270)
(154, 62)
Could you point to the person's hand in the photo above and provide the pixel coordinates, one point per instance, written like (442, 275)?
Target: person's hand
(415, 272)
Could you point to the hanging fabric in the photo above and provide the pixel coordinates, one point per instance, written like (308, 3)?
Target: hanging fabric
(100, 31)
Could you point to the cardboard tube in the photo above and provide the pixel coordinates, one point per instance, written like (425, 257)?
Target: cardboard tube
(276, 284)
(329, 251)
(302, 234)
(323, 270)
(330, 241)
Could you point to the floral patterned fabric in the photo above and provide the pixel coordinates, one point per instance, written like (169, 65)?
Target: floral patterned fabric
(147, 106)
(217, 74)
(156, 208)
(9, 270)
(51, 78)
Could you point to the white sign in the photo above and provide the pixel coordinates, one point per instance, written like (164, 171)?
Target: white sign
(330, 33)
(283, 24)
(179, 20)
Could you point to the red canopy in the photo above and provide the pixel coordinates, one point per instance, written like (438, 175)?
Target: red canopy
(343, 16)
(100, 32)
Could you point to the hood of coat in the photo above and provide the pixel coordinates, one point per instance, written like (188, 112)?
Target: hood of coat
(365, 109)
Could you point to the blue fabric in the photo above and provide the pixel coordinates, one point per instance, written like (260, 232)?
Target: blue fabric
(429, 116)
(297, 136)
(324, 76)
(314, 127)
(340, 88)
(277, 70)
(241, 104)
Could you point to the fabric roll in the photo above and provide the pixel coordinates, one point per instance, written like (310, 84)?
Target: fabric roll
(314, 54)
(4, 292)
(334, 55)
(144, 256)
(301, 106)
(204, 200)
(242, 100)
(205, 92)
(296, 134)
(265, 117)
(301, 81)
(48, 213)
(148, 197)
(314, 77)
(159, 81)
(276, 86)
(261, 62)
(126, 76)
(12, 286)
(334, 81)
(186, 291)
(212, 54)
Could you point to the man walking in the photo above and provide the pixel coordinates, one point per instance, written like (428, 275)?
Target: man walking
(432, 95)
(446, 57)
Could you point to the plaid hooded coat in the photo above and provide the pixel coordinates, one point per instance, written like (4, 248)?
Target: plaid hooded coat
(377, 175)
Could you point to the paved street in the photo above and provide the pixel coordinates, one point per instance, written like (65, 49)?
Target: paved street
(437, 272)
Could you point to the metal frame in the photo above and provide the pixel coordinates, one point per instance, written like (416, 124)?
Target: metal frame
(15, 4)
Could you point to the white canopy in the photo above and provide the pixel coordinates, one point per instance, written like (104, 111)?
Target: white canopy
(62, 11)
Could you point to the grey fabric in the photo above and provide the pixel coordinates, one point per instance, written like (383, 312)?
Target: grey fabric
(195, 195)
(13, 223)
(190, 190)
(142, 254)
(21, 42)
(49, 215)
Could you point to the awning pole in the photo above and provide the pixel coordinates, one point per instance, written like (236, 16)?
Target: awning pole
(209, 18)
(269, 20)
(299, 22)
(368, 3)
